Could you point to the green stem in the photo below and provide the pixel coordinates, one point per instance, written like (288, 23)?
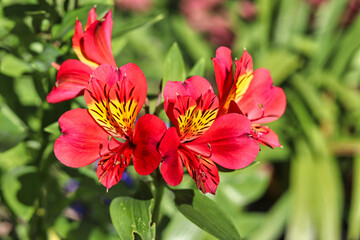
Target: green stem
(354, 218)
(159, 192)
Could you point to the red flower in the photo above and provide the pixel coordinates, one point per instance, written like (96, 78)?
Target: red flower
(106, 130)
(249, 93)
(199, 138)
(93, 47)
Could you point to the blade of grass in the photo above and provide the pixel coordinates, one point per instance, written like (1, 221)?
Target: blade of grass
(301, 217)
(274, 223)
(327, 21)
(354, 217)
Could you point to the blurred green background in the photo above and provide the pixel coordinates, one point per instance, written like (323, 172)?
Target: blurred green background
(309, 189)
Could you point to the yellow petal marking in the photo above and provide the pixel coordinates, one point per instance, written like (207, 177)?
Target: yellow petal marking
(100, 111)
(102, 115)
(83, 58)
(195, 122)
(238, 90)
(124, 113)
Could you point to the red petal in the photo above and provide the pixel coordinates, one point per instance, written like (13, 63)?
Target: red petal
(266, 136)
(82, 140)
(201, 169)
(148, 132)
(234, 108)
(91, 17)
(127, 97)
(262, 134)
(171, 167)
(134, 75)
(243, 77)
(97, 41)
(244, 65)
(72, 78)
(107, 74)
(77, 41)
(193, 87)
(195, 117)
(115, 96)
(111, 167)
(263, 102)
(96, 98)
(78, 35)
(229, 142)
(182, 98)
(223, 72)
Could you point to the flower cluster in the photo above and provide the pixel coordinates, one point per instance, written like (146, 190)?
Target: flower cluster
(207, 130)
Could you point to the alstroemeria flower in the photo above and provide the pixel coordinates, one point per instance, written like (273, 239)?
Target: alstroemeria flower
(250, 93)
(198, 139)
(106, 131)
(92, 47)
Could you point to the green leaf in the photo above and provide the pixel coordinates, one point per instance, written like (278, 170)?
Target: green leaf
(205, 213)
(20, 189)
(199, 68)
(174, 68)
(13, 66)
(53, 129)
(192, 42)
(138, 24)
(243, 186)
(132, 215)
(354, 217)
(282, 64)
(275, 219)
(19, 156)
(12, 129)
(5, 27)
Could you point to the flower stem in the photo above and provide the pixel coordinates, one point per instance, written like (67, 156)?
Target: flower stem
(159, 192)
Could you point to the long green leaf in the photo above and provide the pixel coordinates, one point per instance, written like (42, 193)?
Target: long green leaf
(174, 67)
(300, 220)
(199, 68)
(205, 213)
(354, 218)
(143, 23)
(275, 219)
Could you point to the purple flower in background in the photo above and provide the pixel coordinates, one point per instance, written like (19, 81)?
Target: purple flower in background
(72, 185)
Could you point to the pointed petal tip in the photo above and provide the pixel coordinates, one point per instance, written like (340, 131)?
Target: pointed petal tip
(55, 65)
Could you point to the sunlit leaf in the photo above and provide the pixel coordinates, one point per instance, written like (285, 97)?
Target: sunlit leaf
(131, 215)
(12, 129)
(53, 129)
(143, 23)
(246, 185)
(174, 68)
(205, 213)
(282, 64)
(199, 68)
(20, 188)
(354, 217)
(13, 66)
(19, 156)
(26, 91)
(190, 39)
(275, 219)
